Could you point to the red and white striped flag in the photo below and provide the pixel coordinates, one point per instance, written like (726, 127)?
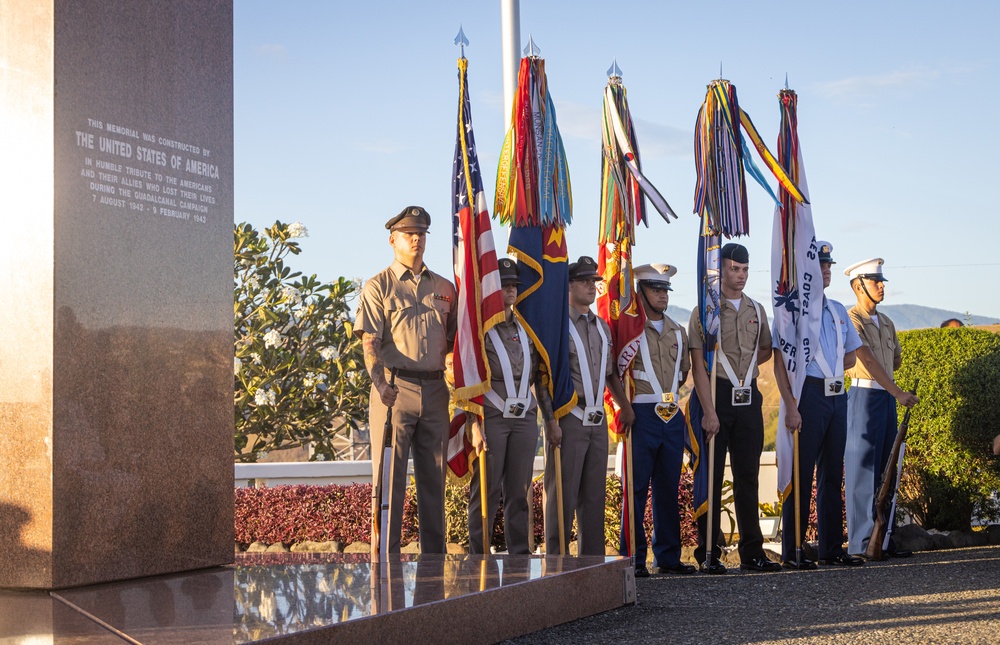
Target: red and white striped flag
(477, 277)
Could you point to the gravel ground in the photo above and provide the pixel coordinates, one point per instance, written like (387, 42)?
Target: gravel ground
(933, 597)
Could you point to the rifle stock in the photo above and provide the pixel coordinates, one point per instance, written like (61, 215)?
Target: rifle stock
(887, 489)
(381, 487)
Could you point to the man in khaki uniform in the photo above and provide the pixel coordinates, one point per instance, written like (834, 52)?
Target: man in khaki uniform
(583, 434)
(659, 370)
(511, 420)
(871, 404)
(735, 420)
(406, 323)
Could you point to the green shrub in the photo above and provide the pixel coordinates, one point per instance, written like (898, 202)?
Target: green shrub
(299, 375)
(950, 471)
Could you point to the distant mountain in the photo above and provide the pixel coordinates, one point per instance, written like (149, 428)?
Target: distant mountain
(917, 316)
(904, 316)
(679, 314)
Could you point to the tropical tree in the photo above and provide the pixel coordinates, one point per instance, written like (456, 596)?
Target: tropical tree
(298, 368)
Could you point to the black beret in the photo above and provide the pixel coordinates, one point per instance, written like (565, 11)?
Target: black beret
(410, 217)
(736, 253)
(583, 269)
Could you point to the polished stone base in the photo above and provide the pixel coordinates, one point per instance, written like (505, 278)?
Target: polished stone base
(329, 597)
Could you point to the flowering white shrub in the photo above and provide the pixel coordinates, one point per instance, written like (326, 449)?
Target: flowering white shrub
(299, 371)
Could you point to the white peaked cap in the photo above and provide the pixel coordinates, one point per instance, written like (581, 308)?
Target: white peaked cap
(866, 269)
(654, 272)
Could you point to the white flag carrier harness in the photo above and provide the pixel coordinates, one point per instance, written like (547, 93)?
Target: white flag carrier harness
(738, 387)
(515, 407)
(649, 375)
(593, 413)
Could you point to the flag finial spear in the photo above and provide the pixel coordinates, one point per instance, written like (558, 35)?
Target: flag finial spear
(531, 49)
(461, 40)
(614, 71)
(786, 80)
(720, 69)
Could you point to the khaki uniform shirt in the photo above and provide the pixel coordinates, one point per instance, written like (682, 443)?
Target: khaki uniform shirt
(412, 316)
(586, 324)
(508, 333)
(738, 335)
(663, 353)
(881, 340)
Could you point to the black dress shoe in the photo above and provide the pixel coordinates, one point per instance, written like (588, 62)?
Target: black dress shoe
(804, 565)
(680, 569)
(641, 571)
(716, 568)
(843, 560)
(761, 564)
(897, 553)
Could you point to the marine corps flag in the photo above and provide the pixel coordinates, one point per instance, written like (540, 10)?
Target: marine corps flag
(477, 278)
(796, 280)
(533, 196)
(623, 205)
(721, 156)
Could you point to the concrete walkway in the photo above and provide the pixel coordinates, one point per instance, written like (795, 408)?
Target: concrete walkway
(934, 597)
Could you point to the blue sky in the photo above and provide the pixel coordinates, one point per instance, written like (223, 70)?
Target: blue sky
(346, 112)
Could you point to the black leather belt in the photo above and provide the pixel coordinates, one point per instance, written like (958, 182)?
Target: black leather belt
(815, 380)
(413, 375)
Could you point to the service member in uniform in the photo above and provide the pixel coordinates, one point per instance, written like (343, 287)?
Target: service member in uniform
(511, 424)
(871, 403)
(821, 421)
(406, 323)
(735, 421)
(583, 434)
(659, 370)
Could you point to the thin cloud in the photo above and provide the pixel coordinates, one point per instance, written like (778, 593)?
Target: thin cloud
(860, 88)
(578, 121)
(655, 139)
(271, 50)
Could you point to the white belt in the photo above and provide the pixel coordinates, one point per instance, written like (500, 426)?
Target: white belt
(866, 382)
(640, 375)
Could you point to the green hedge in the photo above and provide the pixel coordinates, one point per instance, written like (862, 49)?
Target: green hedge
(950, 471)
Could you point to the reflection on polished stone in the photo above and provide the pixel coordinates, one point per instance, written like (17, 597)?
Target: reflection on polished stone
(34, 617)
(282, 593)
(320, 597)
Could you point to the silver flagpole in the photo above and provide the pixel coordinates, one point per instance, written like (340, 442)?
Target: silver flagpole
(510, 36)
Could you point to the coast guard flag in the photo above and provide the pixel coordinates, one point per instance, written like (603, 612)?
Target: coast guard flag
(477, 277)
(797, 296)
(533, 196)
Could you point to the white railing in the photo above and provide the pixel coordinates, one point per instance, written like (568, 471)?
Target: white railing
(321, 473)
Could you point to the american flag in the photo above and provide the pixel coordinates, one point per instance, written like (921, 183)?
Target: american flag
(477, 278)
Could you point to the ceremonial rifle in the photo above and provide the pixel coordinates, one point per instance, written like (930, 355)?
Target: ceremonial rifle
(381, 487)
(887, 491)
